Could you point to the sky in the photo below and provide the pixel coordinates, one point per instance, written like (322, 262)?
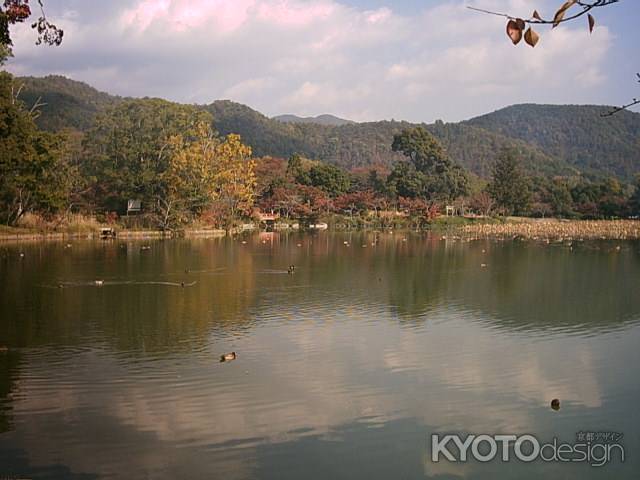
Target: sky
(366, 60)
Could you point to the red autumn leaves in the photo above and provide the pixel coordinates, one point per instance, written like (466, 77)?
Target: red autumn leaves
(16, 10)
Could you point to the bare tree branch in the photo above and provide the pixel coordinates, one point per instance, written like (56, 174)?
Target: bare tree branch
(623, 107)
(586, 7)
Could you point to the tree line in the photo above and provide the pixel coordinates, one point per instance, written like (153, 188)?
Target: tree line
(168, 157)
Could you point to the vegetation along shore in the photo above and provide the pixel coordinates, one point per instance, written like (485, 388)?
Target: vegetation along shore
(156, 166)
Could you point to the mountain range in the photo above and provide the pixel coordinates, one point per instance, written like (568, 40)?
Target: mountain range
(565, 140)
(325, 119)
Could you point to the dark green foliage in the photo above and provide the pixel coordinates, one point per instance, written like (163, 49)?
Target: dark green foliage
(578, 134)
(127, 149)
(603, 199)
(405, 181)
(634, 201)
(319, 120)
(33, 173)
(552, 197)
(430, 175)
(422, 148)
(476, 149)
(331, 179)
(550, 140)
(509, 187)
(68, 104)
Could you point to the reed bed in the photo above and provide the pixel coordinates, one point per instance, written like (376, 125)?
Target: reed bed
(558, 230)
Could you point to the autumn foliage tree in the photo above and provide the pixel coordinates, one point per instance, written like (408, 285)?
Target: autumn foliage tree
(206, 174)
(18, 11)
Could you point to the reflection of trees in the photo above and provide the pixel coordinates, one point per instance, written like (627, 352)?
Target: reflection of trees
(137, 316)
(533, 286)
(523, 286)
(9, 371)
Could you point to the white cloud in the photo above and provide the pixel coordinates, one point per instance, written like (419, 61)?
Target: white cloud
(316, 56)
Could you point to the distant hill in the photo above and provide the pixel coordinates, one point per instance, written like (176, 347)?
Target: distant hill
(326, 119)
(364, 144)
(552, 140)
(68, 104)
(576, 133)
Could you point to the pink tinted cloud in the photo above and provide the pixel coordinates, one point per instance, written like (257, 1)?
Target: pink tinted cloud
(225, 15)
(181, 15)
(294, 13)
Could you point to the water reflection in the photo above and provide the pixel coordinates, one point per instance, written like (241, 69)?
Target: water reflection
(344, 368)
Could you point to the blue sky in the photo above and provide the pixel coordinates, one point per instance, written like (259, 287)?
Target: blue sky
(360, 59)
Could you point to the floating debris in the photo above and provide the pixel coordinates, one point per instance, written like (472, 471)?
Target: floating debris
(4, 349)
(291, 270)
(228, 357)
(555, 404)
(145, 248)
(98, 283)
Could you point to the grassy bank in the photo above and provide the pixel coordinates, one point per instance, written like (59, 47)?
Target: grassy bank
(556, 230)
(78, 226)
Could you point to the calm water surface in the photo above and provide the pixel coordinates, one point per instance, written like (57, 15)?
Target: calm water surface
(344, 369)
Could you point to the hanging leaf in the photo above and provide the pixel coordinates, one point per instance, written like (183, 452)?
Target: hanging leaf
(592, 23)
(536, 15)
(514, 32)
(520, 23)
(531, 37)
(561, 12)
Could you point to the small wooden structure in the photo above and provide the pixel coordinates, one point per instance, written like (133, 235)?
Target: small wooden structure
(268, 219)
(107, 232)
(134, 206)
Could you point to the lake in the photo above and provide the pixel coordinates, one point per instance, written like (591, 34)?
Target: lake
(344, 368)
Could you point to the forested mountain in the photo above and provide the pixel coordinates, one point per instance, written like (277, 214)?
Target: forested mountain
(320, 120)
(67, 103)
(364, 144)
(576, 133)
(556, 140)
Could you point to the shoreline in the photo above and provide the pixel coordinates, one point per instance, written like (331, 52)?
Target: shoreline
(516, 228)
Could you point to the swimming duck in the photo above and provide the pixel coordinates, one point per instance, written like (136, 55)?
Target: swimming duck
(145, 247)
(291, 269)
(228, 357)
(99, 283)
(555, 404)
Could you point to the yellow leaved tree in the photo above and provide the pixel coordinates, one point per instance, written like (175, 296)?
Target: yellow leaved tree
(207, 173)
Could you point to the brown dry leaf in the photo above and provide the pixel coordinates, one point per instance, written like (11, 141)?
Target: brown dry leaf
(536, 15)
(531, 37)
(557, 18)
(514, 32)
(592, 23)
